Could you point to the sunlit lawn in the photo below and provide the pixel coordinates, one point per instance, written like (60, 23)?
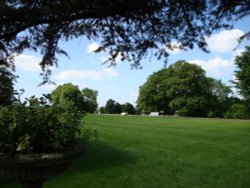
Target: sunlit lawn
(137, 151)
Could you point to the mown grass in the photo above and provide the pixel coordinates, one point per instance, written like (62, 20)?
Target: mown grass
(138, 152)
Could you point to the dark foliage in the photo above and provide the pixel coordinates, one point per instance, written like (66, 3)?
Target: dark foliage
(128, 108)
(7, 79)
(112, 107)
(237, 111)
(124, 27)
(36, 127)
(243, 76)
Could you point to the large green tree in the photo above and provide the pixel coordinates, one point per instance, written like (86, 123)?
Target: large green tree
(123, 27)
(69, 96)
(128, 108)
(153, 94)
(220, 99)
(188, 88)
(182, 88)
(243, 76)
(112, 107)
(90, 99)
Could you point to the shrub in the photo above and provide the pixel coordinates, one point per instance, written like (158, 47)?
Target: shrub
(37, 127)
(237, 111)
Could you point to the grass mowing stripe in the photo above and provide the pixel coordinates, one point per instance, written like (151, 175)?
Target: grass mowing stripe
(141, 151)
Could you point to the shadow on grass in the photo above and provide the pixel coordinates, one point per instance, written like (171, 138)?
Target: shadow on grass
(100, 155)
(95, 162)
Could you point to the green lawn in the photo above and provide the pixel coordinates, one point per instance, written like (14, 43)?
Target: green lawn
(135, 152)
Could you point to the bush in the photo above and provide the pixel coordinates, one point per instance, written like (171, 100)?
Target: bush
(237, 111)
(211, 114)
(182, 112)
(36, 127)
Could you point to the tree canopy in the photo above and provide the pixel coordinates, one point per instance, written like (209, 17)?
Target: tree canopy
(128, 108)
(112, 107)
(7, 79)
(68, 95)
(183, 88)
(219, 99)
(123, 27)
(242, 75)
(90, 99)
(71, 97)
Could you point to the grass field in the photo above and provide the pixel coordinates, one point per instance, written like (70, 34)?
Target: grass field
(148, 152)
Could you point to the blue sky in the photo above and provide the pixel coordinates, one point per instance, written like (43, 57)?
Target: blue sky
(120, 83)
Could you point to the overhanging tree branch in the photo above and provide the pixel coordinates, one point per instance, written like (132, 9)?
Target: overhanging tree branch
(125, 27)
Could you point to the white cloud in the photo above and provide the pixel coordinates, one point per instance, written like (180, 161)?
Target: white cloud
(220, 68)
(78, 74)
(237, 53)
(92, 47)
(28, 63)
(174, 48)
(224, 41)
(74, 74)
(217, 67)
